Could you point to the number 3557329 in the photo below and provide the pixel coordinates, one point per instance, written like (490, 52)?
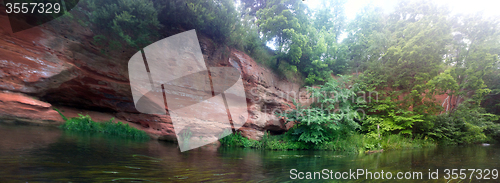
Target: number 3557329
(33, 7)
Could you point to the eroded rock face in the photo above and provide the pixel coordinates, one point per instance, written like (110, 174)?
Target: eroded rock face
(59, 64)
(267, 94)
(20, 108)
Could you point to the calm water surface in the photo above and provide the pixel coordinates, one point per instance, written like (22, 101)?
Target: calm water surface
(43, 154)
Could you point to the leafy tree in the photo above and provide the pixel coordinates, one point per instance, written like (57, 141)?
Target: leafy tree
(245, 37)
(323, 55)
(252, 6)
(331, 17)
(279, 21)
(133, 21)
(475, 54)
(401, 53)
(214, 18)
(419, 35)
(326, 55)
(367, 38)
(413, 54)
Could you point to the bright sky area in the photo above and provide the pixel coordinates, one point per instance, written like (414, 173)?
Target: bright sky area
(489, 7)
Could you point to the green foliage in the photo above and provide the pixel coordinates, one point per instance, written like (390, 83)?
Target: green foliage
(278, 21)
(214, 18)
(386, 117)
(354, 143)
(99, 40)
(491, 101)
(389, 118)
(67, 15)
(363, 143)
(134, 22)
(289, 71)
(332, 112)
(304, 38)
(398, 142)
(413, 52)
(442, 83)
(407, 57)
(236, 140)
(85, 124)
(366, 39)
(245, 37)
(63, 117)
(268, 142)
(465, 126)
(409, 60)
(475, 55)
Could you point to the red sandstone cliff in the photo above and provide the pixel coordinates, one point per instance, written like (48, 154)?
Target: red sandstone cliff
(57, 64)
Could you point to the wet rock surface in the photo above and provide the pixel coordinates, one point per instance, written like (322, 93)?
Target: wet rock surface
(17, 108)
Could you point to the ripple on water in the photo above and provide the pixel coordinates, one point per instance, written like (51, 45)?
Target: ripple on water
(110, 172)
(131, 167)
(131, 179)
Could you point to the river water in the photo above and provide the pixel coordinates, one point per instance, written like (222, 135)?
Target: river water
(47, 154)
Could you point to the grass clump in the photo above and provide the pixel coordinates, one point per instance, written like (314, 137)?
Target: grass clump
(85, 124)
(398, 142)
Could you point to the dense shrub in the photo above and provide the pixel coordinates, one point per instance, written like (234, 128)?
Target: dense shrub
(275, 142)
(354, 143)
(386, 117)
(332, 113)
(468, 124)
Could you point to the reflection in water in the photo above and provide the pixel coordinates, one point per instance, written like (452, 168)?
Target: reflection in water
(48, 154)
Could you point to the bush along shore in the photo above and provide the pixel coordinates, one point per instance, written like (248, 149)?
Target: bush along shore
(355, 143)
(87, 125)
(340, 120)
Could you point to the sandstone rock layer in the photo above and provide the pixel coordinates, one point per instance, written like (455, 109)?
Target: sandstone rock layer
(58, 64)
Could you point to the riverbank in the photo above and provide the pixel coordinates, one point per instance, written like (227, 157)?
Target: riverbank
(38, 153)
(354, 143)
